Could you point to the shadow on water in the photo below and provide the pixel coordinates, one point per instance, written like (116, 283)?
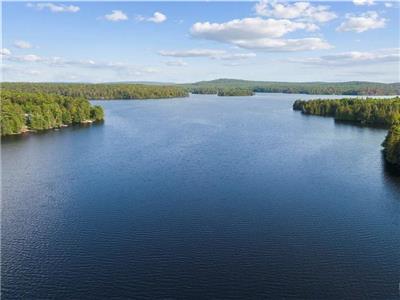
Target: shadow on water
(346, 123)
(48, 132)
(391, 176)
(391, 173)
(361, 125)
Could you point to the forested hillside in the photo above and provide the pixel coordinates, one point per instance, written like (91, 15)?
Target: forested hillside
(315, 88)
(235, 92)
(100, 91)
(221, 87)
(21, 111)
(382, 112)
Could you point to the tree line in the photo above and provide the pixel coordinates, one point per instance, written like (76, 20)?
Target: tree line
(100, 91)
(365, 111)
(22, 111)
(315, 88)
(235, 92)
(222, 87)
(372, 112)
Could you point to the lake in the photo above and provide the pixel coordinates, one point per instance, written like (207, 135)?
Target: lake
(200, 197)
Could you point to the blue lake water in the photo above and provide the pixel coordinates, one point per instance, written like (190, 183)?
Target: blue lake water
(202, 197)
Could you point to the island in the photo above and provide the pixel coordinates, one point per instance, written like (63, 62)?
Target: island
(368, 112)
(22, 112)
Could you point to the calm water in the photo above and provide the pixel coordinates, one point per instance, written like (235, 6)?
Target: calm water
(203, 197)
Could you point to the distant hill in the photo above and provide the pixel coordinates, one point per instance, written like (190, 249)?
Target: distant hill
(142, 82)
(330, 88)
(222, 87)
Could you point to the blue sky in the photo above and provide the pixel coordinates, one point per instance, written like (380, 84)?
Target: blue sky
(193, 41)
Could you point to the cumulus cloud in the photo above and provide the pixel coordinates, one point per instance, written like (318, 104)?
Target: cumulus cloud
(55, 8)
(366, 21)
(116, 16)
(157, 17)
(297, 10)
(248, 28)
(363, 2)
(210, 53)
(354, 58)
(258, 33)
(5, 52)
(388, 4)
(22, 44)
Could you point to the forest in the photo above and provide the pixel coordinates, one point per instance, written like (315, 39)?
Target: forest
(21, 112)
(235, 92)
(100, 91)
(370, 112)
(220, 87)
(315, 88)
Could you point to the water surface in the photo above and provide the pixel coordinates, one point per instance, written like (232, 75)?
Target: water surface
(203, 197)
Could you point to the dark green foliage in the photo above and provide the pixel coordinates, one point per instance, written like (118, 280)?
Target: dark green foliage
(315, 88)
(96, 113)
(12, 118)
(380, 112)
(391, 145)
(365, 111)
(235, 92)
(38, 111)
(100, 91)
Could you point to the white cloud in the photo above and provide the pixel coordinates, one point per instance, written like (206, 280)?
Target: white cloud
(248, 28)
(388, 4)
(258, 33)
(210, 53)
(354, 58)
(193, 53)
(116, 15)
(5, 52)
(30, 58)
(26, 58)
(232, 64)
(274, 45)
(18, 71)
(157, 17)
(176, 63)
(88, 64)
(55, 8)
(297, 10)
(22, 44)
(366, 21)
(33, 72)
(363, 2)
(236, 56)
(149, 70)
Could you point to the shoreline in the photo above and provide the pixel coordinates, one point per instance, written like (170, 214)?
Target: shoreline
(27, 131)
